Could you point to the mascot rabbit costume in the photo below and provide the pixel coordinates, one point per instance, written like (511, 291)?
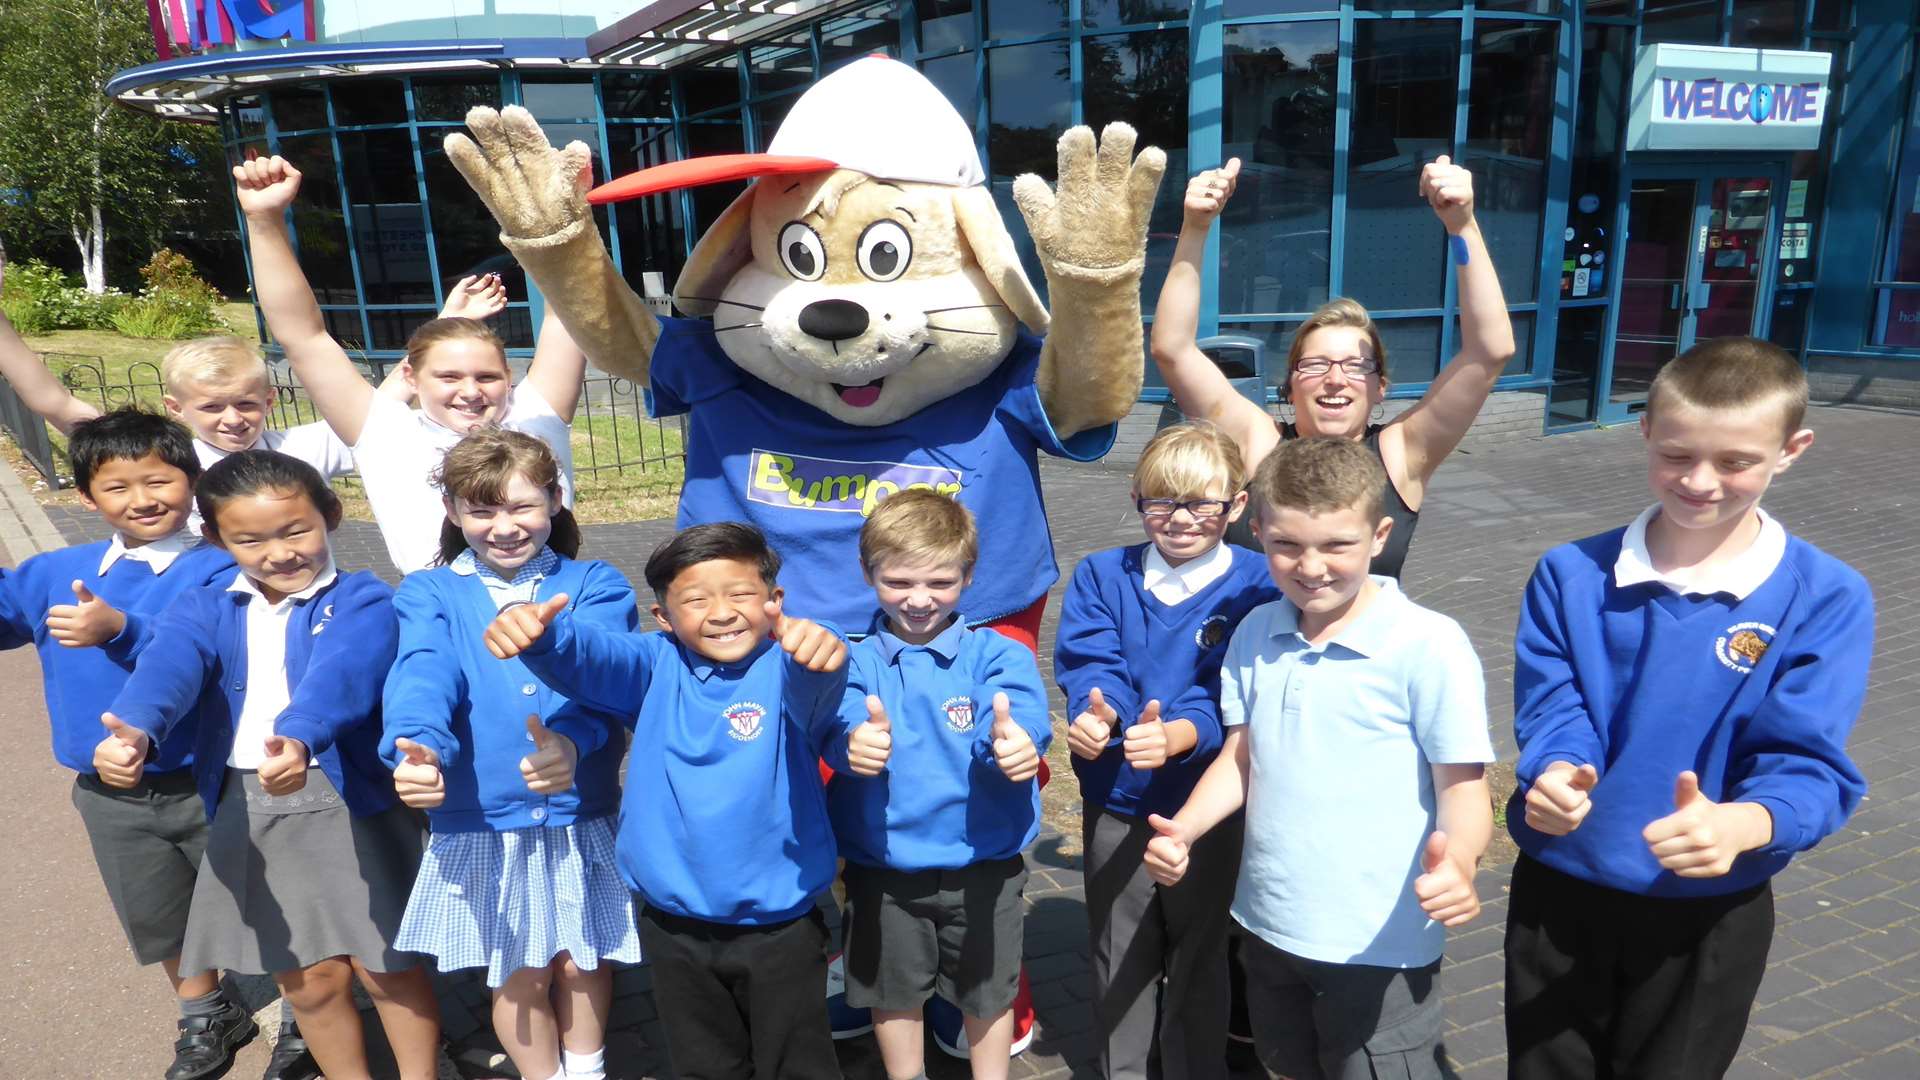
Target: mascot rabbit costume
(862, 323)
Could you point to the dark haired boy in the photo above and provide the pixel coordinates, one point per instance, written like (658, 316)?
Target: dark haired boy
(723, 825)
(1683, 689)
(87, 610)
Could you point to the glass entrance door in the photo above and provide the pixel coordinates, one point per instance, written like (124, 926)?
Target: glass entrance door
(1697, 264)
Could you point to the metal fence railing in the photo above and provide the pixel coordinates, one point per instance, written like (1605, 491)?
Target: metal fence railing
(611, 430)
(29, 431)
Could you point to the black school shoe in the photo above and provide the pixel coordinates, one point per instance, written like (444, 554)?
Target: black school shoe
(291, 1060)
(206, 1043)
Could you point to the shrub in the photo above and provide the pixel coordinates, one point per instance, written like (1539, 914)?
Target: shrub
(176, 303)
(40, 298)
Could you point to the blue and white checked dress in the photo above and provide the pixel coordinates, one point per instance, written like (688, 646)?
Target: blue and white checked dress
(518, 898)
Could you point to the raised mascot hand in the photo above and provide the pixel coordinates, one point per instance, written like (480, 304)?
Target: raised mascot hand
(1094, 227)
(534, 191)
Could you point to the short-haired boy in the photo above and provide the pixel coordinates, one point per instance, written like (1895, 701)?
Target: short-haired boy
(723, 825)
(1357, 741)
(88, 610)
(1143, 629)
(1683, 690)
(934, 798)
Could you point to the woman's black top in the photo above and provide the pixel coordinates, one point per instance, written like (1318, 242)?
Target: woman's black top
(1405, 517)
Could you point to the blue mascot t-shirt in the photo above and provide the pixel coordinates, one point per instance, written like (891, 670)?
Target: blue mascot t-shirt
(760, 455)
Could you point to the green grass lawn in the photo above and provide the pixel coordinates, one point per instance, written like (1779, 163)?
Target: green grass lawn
(632, 493)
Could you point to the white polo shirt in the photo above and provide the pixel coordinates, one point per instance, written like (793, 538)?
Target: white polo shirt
(268, 694)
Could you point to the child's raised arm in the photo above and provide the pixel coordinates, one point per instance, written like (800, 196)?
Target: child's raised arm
(557, 368)
(265, 188)
(600, 668)
(40, 388)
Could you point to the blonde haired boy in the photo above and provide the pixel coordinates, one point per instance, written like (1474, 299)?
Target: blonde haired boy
(934, 798)
(1683, 689)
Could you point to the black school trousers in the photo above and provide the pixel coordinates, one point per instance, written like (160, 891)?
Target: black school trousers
(1603, 983)
(741, 1002)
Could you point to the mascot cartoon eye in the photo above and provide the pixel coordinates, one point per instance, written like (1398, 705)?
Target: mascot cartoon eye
(885, 250)
(801, 252)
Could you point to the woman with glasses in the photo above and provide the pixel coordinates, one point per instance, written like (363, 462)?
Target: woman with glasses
(1336, 379)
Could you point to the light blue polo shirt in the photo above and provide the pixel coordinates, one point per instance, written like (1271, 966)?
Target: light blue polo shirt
(1340, 797)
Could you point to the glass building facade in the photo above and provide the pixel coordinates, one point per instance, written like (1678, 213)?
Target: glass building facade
(1611, 258)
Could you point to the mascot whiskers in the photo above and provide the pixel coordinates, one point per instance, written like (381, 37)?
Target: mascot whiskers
(860, 322)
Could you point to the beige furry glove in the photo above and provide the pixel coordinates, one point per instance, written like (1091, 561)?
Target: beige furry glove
(537, 194)
(1092, 238)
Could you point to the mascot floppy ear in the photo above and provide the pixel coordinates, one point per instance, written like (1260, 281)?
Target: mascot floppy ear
(986, 235)
(721, 252)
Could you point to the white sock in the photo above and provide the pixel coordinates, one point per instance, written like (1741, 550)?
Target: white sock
(561, 1075)
(591, 1066)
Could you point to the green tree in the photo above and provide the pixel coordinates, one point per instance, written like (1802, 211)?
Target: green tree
(72, 160)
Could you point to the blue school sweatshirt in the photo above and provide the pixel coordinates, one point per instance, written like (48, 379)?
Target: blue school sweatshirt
(942, 801)
(340, 642)
(1756, 696)
(1115, 635)
(723, 818)
(447, 692)
(80, 684)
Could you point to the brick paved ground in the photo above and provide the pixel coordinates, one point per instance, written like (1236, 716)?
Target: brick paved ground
(1842, 993)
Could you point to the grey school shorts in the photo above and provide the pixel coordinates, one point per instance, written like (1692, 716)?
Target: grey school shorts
(1314, 1020)
(958, 933)
(147, 841)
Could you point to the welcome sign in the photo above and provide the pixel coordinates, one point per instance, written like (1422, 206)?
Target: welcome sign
(1710, 97)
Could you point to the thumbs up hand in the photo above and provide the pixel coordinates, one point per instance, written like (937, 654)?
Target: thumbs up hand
(811, 645)
(549, 769)
(1146, 741)
(1445, 887)
(1701, 838)
(871, 744)
(121, 757)
(1087, 736)
(285, 770)
(515, 629)
(1448, 188)
(1166, 855)
(1559, 800)
(417, 779)
(87, 621)
(1013, 748)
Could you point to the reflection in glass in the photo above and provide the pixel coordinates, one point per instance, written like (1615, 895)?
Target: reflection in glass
(1405, 5)
(1695, 21)
(766, 119)
(1508, 136)
(1522, 356)
(1028, 100)
(465, 236)
(652, 234)
(781, 64)
(1413, 348)
(247, 117)
(644, 95)
(1592, 193)
(1142, 79)
(368, 100)
(449, 99)
(1737, 223)
(1275, 235)
(1767, 23)
(1576, 364)
(1537, 7)
(1102, 13)
(945, 25)
(713, 137)
(1653, 284)
(389, 223)
(1234, 9)
(1278, 337)
(297, 108)
(1008, 19)
(319, 225)
(558, 97)
(871, 29)
(957, 78)
(1404, 74)
(392, 328)
(343, 326)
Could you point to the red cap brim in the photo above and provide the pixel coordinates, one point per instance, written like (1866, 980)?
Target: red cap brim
(693, 172)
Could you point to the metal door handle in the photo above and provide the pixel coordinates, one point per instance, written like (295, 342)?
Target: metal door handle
(1673, 298)
(1704, 297)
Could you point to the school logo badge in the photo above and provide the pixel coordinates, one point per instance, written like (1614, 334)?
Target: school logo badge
(745, 720)
(1211, 632)
(326, 616)
(1741, 645)
(959, 712)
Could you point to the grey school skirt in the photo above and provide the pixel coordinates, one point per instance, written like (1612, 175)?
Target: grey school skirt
(291, 880)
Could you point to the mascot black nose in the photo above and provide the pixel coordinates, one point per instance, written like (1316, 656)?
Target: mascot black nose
(833, 320)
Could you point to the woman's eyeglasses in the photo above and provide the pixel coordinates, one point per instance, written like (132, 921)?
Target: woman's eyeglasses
(1354, 366)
